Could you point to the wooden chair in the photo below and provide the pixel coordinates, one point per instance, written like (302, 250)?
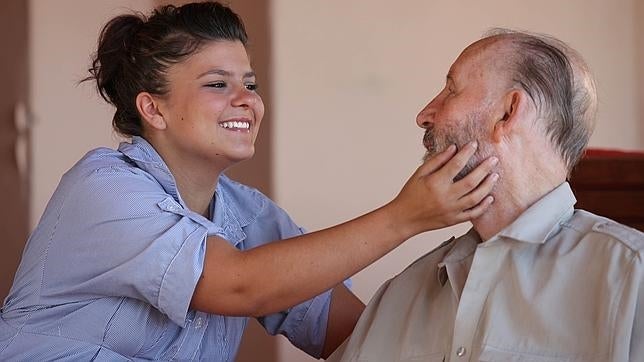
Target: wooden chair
(610, 183)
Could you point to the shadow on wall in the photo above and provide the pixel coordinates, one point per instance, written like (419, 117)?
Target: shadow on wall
(257, 345)
(639, 61)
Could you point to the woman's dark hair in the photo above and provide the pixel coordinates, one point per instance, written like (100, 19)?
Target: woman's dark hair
(134, 52)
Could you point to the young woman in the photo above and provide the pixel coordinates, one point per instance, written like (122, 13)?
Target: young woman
(150, 252)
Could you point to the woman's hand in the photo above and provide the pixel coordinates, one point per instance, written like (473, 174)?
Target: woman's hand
(431, 199)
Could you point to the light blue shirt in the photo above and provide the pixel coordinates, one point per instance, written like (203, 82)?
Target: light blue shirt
(109, 272)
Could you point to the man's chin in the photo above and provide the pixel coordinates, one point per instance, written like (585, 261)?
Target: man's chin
(433, 152)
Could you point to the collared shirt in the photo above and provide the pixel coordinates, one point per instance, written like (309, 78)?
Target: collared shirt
(109, 272)
(557, 284)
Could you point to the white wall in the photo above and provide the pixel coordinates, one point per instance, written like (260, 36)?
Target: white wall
(350, 76)
(69, 119)
(639, 62)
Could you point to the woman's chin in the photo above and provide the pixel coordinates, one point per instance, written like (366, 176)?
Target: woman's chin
(240, 155)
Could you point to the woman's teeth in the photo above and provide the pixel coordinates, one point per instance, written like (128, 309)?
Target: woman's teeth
(236, 124)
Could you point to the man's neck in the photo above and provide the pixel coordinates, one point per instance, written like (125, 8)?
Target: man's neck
(518, 188)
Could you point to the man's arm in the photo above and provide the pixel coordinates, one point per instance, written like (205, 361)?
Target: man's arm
(344, 312)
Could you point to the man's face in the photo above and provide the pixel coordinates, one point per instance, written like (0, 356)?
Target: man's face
(464, 110)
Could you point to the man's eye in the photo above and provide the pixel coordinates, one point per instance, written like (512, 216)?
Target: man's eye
(251, 86)
(216, 85)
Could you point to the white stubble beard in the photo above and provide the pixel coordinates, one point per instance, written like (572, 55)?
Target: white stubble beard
(472, 129)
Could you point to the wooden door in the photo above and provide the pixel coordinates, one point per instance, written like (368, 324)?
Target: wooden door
(14, 169)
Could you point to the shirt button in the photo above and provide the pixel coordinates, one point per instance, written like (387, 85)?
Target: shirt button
(198, 323)
(461, 351)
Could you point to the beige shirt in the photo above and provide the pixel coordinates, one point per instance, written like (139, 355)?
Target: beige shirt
(557, 284)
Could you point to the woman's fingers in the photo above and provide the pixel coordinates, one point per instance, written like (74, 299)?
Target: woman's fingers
(432, 199)
(473, 180)
(477, 210)
(436, 162)
(479, 195)
(456, 163)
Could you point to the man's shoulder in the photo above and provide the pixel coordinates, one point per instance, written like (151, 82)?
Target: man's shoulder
(401, 289)
(430, 260)
(588, 223)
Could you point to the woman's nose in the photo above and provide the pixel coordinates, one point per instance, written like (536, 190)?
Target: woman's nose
(244, 97)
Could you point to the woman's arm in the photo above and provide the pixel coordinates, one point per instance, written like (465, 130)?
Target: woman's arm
(284, 273)
(344, 312)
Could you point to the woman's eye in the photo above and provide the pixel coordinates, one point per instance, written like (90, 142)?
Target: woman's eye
(251, 86)
(216, 85)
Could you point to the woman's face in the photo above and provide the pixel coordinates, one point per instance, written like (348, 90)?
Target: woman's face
(212, 110)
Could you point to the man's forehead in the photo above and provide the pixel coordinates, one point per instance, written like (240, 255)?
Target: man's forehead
(476, 55)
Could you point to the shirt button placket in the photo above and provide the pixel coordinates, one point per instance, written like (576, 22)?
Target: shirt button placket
(173, 353)
(198, 323)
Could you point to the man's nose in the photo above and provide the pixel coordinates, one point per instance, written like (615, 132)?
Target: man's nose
(426, 116)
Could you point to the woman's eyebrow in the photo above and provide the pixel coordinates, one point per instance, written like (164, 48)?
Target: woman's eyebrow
(225, 73)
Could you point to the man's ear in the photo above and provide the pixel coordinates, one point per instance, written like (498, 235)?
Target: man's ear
(514, 105)
(148, 107)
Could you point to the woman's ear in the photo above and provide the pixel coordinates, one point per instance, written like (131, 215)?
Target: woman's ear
(149, 110)
(514, 106)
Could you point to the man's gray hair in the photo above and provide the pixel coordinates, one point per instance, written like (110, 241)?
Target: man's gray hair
(560, 84)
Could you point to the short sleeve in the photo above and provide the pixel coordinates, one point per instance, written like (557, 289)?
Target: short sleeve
(304, 324)
(125, 237)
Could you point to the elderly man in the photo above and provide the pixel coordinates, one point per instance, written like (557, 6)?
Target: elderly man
(535, 279)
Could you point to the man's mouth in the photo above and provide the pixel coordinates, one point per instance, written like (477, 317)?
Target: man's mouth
(428, 140)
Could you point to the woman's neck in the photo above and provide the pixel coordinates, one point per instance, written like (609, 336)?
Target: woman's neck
(197, 194)
(196, 179)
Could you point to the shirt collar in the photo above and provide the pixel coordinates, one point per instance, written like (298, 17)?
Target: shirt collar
(535, 225)
(225, 207)
(148, 159)
(543, 218)
(239, 200)
(462, 248)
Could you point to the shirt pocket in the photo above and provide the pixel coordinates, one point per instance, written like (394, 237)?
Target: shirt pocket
(491, 354)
